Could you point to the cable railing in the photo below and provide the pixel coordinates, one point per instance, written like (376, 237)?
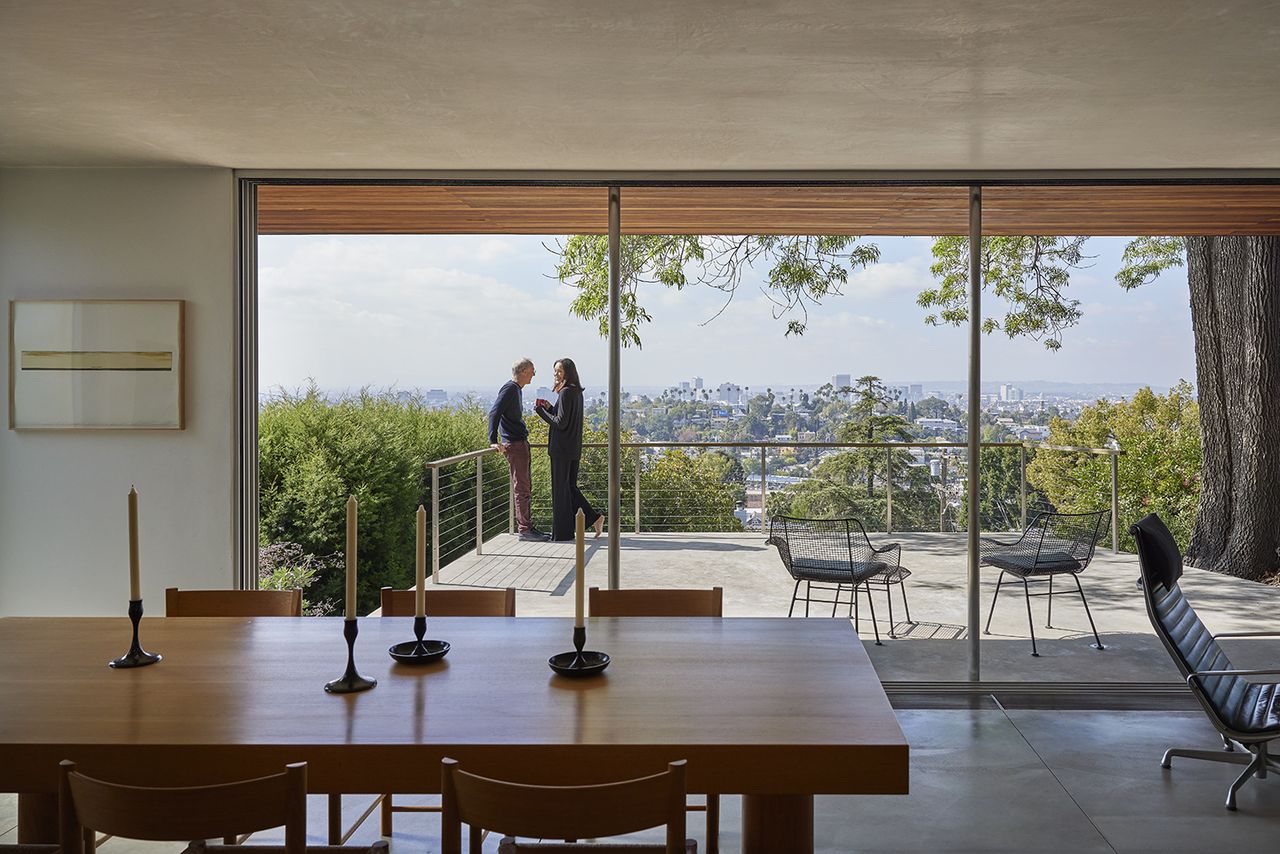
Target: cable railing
(691, 487)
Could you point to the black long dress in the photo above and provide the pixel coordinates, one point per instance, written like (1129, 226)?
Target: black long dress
(564, 445)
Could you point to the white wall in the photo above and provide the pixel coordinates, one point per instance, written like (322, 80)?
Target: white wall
(123, 234)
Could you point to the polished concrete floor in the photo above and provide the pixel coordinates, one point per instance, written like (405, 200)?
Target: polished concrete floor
(985, 780)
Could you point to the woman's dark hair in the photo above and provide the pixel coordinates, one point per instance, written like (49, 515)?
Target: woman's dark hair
(570, 372)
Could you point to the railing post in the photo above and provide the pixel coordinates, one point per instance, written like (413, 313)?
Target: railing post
(942, 498)
(764, 485)
(480, 505)
(637, 525)
(888, 490)
(1115, 503)
(435, 525)
(1022, 474)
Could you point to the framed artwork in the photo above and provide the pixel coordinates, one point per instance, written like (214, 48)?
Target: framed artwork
(96, 364)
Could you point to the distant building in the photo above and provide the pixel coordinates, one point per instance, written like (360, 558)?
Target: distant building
(1031, 433)
(697, 383)
(915, 392)
(1010, 393)
(938, 424)
(435, 397)
(839, 381)
(729, 393)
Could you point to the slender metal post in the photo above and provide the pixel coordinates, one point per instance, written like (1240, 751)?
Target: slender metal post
(888, 490)
(615, 387)
(764, 486)
(942, 498)
(975, 425)
(480, 505)
(637, 490)
(435, 525)
(1115, 503)
(1022, 475)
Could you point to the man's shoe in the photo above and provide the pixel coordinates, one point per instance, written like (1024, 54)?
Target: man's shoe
(533, 537)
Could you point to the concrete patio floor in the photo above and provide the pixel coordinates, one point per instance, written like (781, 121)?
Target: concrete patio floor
(933, 649)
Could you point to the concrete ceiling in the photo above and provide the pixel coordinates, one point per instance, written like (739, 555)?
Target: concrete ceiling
(668, 85)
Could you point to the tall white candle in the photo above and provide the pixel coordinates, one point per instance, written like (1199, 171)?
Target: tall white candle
(420, 597)
(351, 557)
(580, 569)
(135, 582)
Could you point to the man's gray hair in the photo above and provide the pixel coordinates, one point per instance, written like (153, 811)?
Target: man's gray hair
(521, 365)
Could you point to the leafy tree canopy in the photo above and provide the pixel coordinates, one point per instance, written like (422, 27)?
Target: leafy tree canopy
(803, 270)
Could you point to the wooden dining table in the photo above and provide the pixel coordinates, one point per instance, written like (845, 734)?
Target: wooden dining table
(776, 710)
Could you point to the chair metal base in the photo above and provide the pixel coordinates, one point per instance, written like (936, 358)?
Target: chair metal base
(834, 602)
(1026, 588)
(1254, 757)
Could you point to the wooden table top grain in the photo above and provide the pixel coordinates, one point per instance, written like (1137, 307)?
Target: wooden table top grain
(754, 705)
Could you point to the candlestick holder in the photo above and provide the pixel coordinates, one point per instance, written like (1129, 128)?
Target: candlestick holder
(351, 681)
(419, 651)
(136, 656)
(578, 664)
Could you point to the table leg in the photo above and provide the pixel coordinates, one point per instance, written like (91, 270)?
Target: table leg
(777, 824)
(37, 818)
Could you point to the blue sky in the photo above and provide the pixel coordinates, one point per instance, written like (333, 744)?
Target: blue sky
(411, 311)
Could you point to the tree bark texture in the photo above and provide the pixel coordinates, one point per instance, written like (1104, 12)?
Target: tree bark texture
(1235, 316)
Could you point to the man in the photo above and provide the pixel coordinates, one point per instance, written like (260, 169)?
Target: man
(510, 437)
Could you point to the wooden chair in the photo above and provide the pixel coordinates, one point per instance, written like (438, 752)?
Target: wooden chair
(562, 812)
(87, 805)
(461, 602)
(29, 848)
(641, 602)
(232, 603)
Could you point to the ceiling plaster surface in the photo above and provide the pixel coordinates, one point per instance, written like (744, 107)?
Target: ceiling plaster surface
(668, 85)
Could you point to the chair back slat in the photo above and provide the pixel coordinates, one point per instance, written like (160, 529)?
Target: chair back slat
(563, 812)
(183, 814)
(641, 602)
(232, 603)
(478, 602)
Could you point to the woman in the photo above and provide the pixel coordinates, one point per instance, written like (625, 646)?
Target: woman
(564, 444)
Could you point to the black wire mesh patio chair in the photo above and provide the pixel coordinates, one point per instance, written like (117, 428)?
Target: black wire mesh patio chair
(1053, 544)
(832, 553)
(1246, 713)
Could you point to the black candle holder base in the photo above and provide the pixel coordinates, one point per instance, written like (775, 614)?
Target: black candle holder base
(136, 656)
(579, 664)
(419, 651)
(351, 681)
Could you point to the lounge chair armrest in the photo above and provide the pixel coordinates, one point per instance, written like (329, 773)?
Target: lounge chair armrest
(887, 548)
(1200, 674)
(1246, 635)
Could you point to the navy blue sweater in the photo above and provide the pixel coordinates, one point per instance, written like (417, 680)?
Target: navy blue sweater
(507, 415)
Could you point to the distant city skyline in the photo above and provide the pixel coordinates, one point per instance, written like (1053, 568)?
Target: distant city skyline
(453, 312)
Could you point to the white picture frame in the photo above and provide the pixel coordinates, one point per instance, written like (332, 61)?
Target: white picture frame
(97, 365)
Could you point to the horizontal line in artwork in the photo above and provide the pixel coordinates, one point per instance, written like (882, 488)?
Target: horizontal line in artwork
(97, 360)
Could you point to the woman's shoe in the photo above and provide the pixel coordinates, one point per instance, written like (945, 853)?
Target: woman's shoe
(599, 526)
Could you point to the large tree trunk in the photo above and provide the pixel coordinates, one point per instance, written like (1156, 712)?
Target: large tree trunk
(1235, 315)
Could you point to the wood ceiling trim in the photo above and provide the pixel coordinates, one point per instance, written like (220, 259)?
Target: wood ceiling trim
(871, 210)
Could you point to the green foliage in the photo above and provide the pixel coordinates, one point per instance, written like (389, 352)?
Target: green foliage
(1158, 472)
(1145, 258)
(1000, 492)
(1029, 273)
(313, 453)
(285, 566)
(804, 270)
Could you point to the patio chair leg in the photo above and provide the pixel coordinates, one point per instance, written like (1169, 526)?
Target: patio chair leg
(1048, 621)
(835, 603)
(1098, 640)
(1257, 766)
(1031, 623)
(888, 597)
(808, 594)
(902, 587)
(872, 605)
(794, 593)
(992, 612)
(857, 621)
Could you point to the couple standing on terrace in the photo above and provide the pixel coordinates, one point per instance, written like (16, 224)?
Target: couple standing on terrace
(510, 437)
